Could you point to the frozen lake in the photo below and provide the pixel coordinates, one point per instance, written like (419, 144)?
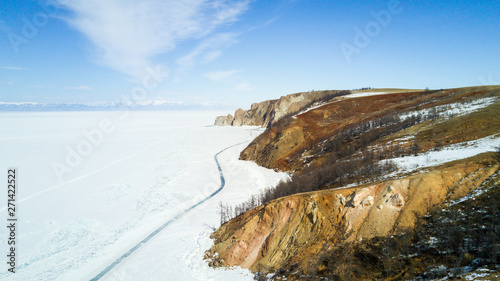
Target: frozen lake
(91, 185)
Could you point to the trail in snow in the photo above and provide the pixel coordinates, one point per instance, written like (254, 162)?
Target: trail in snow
(74, 231)
(166, 224)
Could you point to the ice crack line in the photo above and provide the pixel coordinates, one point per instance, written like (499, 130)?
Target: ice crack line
(177, 217)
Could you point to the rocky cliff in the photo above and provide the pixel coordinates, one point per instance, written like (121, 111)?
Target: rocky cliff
(293, 230)
(342, 151)
(286, 143)
(269, 112)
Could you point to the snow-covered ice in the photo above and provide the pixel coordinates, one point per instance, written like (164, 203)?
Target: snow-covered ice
(118, 186)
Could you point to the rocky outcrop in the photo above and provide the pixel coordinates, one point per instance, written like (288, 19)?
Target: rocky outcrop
(271, 111)
(224, 120)
(239, 117)
(293, 230)
(324, 147)
(284, 144)
(286, 140)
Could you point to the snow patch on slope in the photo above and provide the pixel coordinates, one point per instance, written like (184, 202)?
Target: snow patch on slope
(454, 109)
(446, 154)
(367, 94)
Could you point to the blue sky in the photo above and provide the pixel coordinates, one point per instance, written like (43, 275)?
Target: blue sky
(242, 51)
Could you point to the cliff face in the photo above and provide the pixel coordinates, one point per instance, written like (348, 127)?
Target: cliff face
(276, 147)
(271, 111)
(293, 230)
(224, 120)
(284, 145)
(341, 143)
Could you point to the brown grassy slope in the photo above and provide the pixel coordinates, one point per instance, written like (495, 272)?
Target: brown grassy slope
(482, 123)
(282, 146)
(291, 232)
(479, 124)
(291, 137)
(455, 235)
(294, 229)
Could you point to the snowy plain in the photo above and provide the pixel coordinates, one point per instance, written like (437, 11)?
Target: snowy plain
(91, 185)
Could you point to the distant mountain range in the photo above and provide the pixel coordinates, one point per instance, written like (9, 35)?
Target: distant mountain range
(111, 106)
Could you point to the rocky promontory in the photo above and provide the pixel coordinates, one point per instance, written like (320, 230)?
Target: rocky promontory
(270, 111)
(385, 184)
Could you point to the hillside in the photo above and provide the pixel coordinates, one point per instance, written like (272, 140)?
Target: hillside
(269, 112)
(286, 145)
(364, 166)
(293, 231)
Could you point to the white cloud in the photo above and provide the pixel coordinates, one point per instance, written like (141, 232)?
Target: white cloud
(208, 50)
(78, 88)
(211, 56)
(244, 87)
(12, 68)
(128, 33)
(270, 21)
(263, 25)
(220, 75)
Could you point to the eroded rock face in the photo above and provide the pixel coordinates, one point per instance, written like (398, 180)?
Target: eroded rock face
(271, 111)
(284, 145)
(287, 140)
(395, 200)
(239, 117)
(368, 201)
(294, 229)
(359, 196)
(224, 120)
